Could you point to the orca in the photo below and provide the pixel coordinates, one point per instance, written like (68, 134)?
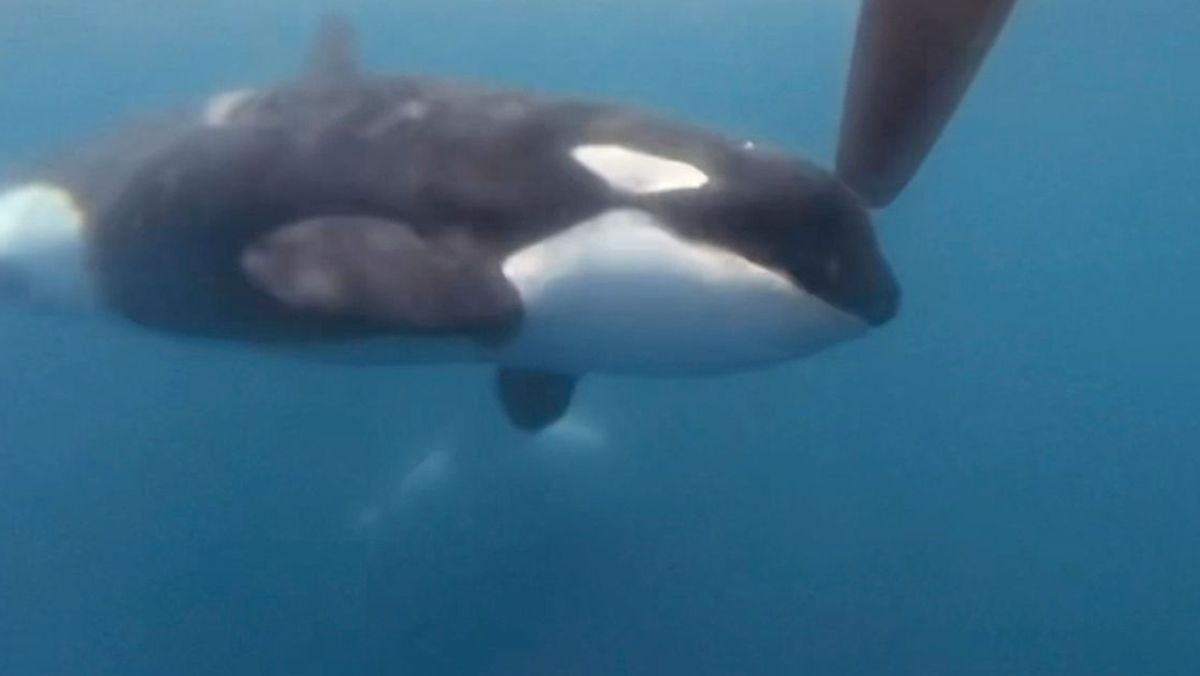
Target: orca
(391, 219)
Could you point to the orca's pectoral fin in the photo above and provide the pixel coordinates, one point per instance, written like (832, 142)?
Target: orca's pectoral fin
(334, 55)
(381, 271)
(913, 63)
(535, 400)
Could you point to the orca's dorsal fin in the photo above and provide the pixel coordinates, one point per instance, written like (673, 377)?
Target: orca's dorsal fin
(334, 55)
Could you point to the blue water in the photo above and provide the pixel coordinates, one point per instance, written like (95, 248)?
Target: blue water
(1003, 481)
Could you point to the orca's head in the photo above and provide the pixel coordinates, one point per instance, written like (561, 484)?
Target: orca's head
(776, 211)
(710, 255)
(42, 249)
(795, 218)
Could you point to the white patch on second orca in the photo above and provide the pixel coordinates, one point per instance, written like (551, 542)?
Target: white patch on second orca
(431, 473)
(638, 172)
(620, 293)
(220, 109)
(573, 434)
(42, 243)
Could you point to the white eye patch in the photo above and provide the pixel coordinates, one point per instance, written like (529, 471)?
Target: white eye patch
(637, 172)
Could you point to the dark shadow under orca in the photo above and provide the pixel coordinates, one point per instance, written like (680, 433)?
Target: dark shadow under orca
(371, 218)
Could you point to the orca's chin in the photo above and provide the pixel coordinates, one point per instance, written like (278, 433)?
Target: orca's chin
(877, 309)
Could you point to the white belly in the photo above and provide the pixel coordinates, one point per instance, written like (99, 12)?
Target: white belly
(621, 294)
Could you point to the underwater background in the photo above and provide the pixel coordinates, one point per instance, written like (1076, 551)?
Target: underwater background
(1002, 481)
